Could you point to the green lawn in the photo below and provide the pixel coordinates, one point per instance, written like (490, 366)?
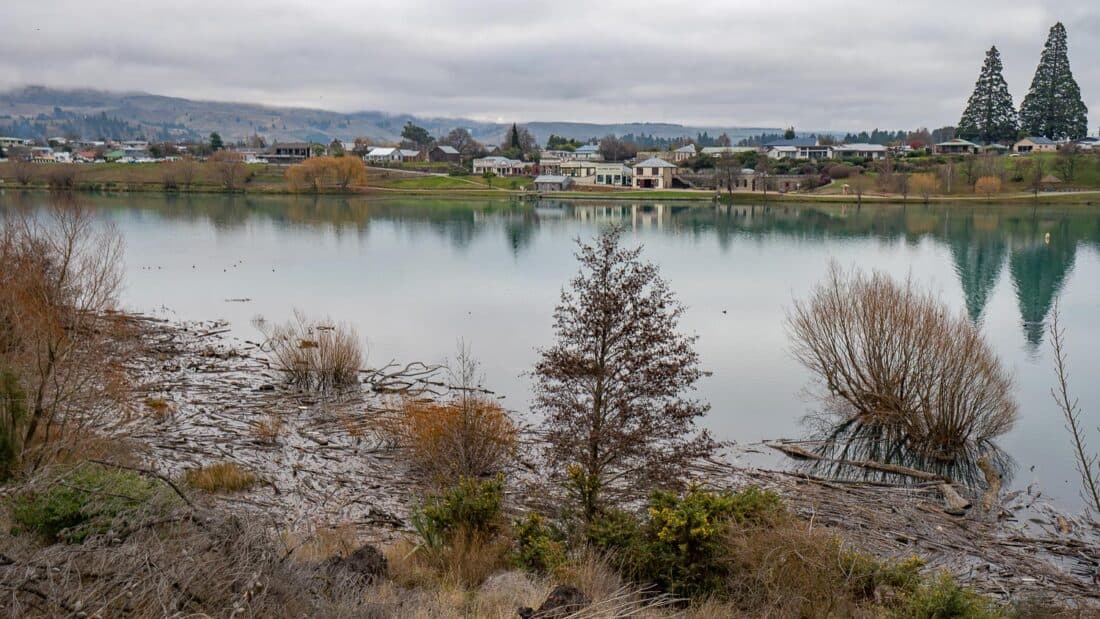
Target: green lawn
(457, 183)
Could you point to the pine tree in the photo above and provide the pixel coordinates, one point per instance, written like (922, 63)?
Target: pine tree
(1053, 107)
(989, 115)
(515, 137)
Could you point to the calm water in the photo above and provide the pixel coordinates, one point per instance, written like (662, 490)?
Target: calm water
(417, 275)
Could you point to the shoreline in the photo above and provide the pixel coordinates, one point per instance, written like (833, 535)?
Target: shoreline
(219, 387)
(1069, 198)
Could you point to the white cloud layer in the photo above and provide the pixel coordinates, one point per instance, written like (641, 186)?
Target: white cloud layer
(823, 65)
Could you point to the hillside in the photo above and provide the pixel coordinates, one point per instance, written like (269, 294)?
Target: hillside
(39, 112)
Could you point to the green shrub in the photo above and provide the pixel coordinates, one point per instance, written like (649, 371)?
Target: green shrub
(12, 413)
(680, 546)
(537, 546)
(684, 538)
(943, 598)
(471, 507)
(88, 500)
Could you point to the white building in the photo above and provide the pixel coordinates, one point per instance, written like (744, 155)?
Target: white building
(501, 166)
(383, 154)
(859, 151)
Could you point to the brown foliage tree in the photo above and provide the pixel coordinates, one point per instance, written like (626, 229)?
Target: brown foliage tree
(987, 186)
(612, 386)
(923, 184)
(61, 279)
(895, 358)
(229, 167)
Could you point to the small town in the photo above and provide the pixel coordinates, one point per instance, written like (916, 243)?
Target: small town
(425, 309)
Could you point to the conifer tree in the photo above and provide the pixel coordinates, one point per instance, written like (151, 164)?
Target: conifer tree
(989, 115)
(1053, 107)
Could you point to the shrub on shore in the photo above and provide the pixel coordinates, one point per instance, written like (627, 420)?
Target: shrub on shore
(314, 354)
(87, 500)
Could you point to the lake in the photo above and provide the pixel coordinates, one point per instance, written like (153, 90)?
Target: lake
(416, 275)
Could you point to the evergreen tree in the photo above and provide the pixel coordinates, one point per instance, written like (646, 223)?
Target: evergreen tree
(989, 115)
(514, 137)
(1053, 106)
(216, 143)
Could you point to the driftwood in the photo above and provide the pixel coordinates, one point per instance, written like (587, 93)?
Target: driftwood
(330, 463)
(802, 453)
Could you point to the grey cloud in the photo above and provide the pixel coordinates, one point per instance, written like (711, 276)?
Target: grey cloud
(824, 65)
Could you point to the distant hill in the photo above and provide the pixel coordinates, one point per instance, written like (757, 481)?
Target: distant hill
(39, 112)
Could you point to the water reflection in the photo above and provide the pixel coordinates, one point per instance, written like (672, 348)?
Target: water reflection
(1040, 245)
(842, 444)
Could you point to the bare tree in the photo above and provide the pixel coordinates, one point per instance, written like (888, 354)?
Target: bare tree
(987, 186)
(1068, 156)
(1088, 466)
(612, 386)
(901, 183)
(924, 184)
(230, 168)
(893, 357)
(186, 169)
(61, 279)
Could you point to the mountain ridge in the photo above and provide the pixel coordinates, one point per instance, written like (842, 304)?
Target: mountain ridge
(40, 112)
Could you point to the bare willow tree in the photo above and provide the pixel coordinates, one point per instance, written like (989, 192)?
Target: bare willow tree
(891, 356)
(59, 284)
(1088, 466)
(612, 387)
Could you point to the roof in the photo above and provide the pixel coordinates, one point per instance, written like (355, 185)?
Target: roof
(450, 150)
(409, 153)
(793, 142)
(958, 142)
(655, 162)
(690, 148)
(588, 148)
(712, 150)
(382, 151)
(1050, 179)
(860, 146)
(550, 178)
(499, 159)
(1038, 139)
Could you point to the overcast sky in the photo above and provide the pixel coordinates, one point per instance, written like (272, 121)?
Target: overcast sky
(817, 65)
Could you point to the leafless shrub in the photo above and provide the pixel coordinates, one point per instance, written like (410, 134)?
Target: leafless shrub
(58, 287)
(181, 564)
(229, 167)
(891, 356)
(61, 176)
(314, 354)
(469, 435)
(22, 170)
(1088, 466)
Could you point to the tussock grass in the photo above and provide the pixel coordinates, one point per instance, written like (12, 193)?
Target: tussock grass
(223, 477)
(269, 428)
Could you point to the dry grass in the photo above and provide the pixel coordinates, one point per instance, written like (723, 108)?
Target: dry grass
(158, 408)
(268, 429)
(465, 562)
(324, 543)
(314, 354)
(220, 477)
